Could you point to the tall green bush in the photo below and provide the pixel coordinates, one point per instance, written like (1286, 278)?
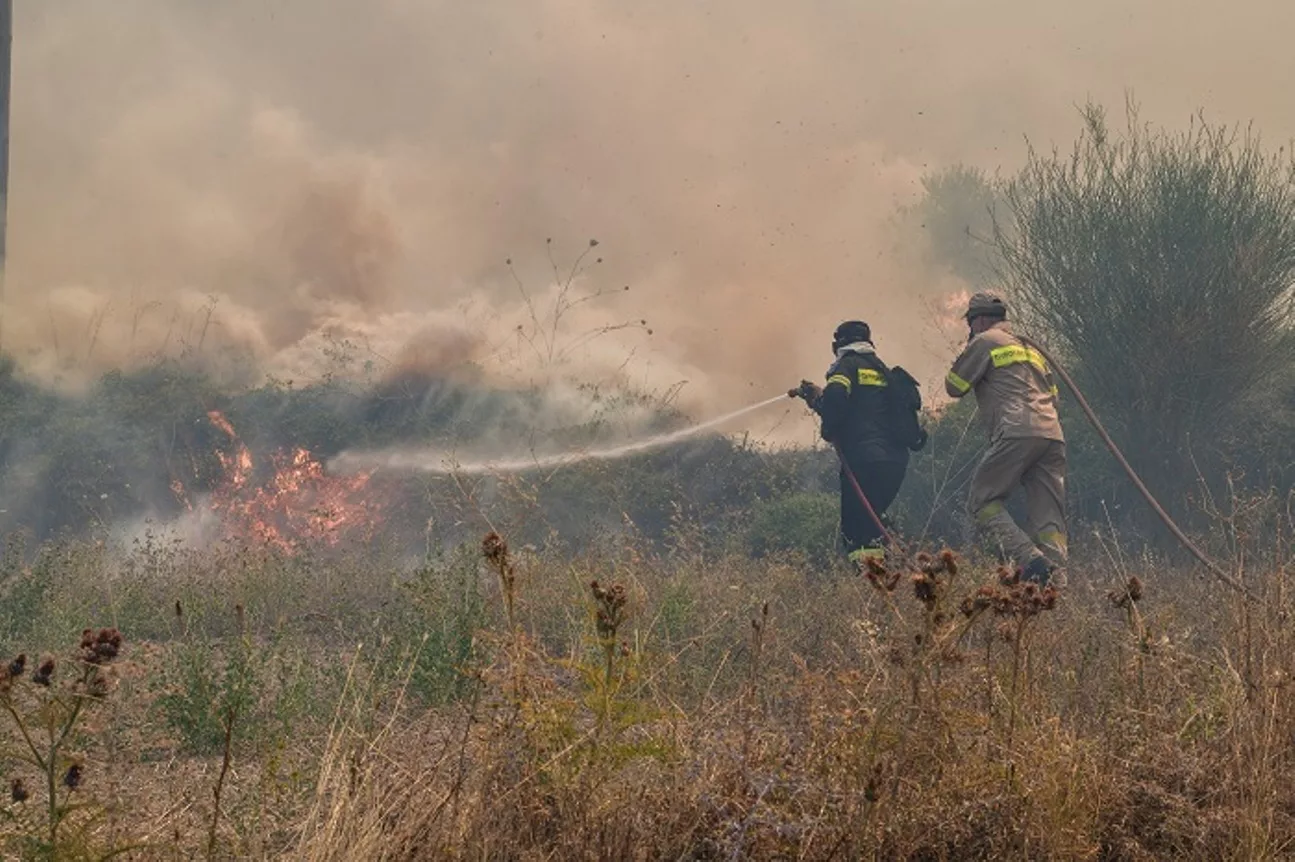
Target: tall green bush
(1159, 265)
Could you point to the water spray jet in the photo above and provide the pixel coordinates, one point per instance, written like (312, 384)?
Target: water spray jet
(439, 462)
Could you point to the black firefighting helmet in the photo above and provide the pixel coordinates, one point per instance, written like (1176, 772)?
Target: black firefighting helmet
(851, 332)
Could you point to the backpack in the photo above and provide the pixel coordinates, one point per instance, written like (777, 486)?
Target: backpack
(903, 404)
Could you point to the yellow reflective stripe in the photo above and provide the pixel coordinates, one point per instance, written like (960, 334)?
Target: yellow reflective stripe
(871, 377)
(958, 383)
(988, 511)
(1012, 354)
(839, 378)
(1054, 538)
(865, 553)
(1009, 354)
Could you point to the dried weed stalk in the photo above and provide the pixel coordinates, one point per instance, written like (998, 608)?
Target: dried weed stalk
(46, 709)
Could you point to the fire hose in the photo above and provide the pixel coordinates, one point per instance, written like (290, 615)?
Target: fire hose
(1212, 567)
(808, 392)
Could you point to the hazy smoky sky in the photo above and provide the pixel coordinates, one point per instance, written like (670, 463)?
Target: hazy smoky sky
(365, 167)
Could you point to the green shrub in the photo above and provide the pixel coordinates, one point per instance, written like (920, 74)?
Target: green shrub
(805, 523)
(443, 611)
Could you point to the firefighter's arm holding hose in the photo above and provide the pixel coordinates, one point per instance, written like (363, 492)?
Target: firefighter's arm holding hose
(829, 402)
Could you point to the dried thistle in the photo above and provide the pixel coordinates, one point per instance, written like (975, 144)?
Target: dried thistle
(983, 598)
(924, 587)
(1011, 598)
(494, 548)
(610, 602)
(18, 791)
(1130, 594)
(73, 777)
(45, 673)
(878, 575)
(950, 561)
(101, 647)
(495, 551)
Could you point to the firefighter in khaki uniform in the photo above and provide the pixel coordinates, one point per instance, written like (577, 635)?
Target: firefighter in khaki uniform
(1018, 405)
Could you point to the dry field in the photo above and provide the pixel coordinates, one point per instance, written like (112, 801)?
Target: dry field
(494, 703)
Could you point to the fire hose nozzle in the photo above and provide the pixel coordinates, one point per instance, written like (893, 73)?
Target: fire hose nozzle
(808, 391)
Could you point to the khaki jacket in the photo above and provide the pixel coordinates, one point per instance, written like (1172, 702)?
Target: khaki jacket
(1013, 385)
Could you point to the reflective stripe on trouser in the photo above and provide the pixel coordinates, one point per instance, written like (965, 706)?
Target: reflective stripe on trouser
(1039, 465)
(858, 555)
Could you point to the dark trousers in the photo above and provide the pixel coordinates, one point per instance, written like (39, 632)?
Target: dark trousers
(880, 481)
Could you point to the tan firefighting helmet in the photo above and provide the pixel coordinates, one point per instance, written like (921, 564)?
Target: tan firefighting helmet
(986, 305)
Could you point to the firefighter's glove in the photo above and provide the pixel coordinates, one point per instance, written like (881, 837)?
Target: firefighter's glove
(811, 392)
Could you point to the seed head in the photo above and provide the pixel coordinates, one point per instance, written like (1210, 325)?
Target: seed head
(72, 778)
(1130, 594)
(610, 614)
(17, 665)
(494, 548)
(950, 561)
(924, 588)
(100, 647)
(45, 673)
(18, 791)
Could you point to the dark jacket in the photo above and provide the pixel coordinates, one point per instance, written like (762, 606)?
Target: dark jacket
(853, 406)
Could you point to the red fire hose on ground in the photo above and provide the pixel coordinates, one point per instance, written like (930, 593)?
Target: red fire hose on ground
(809, 392)
(863, 498)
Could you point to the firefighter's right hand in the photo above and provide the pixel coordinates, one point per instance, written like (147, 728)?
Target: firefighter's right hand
(811, 392)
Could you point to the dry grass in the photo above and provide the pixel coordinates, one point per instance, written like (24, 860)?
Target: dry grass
(623, 705)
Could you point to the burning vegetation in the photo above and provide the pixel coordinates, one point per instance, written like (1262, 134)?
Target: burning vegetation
(288, 498)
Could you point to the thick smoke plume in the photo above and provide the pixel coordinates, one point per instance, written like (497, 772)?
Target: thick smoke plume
(262, 183)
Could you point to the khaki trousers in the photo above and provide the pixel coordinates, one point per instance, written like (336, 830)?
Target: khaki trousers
(1039, 465)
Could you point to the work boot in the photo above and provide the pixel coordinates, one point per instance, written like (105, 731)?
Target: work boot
(860, 556)
(1038, 571)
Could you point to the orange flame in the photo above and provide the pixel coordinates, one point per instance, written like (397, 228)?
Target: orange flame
(298, 502)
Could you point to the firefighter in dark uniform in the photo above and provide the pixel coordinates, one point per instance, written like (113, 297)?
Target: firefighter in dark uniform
(859, 417)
